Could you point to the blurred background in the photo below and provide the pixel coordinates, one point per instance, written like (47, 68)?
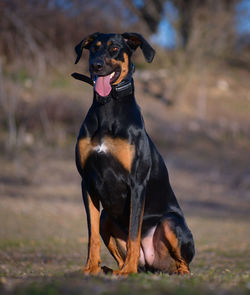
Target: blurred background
(195, 98)
(201, 66)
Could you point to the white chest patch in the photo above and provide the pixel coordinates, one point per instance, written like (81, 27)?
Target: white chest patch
(101, 148)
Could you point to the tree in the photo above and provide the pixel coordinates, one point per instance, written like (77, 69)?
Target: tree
(193, 16)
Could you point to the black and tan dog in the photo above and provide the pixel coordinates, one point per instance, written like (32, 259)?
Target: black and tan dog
(141, 223)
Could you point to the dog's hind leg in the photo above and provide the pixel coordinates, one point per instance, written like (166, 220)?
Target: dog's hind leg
(173, 245)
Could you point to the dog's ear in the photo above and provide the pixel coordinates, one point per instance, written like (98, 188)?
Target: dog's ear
(134, 40)
(85, 43)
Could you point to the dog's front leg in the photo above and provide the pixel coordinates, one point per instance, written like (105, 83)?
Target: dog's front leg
(92, 206)
(137, 203)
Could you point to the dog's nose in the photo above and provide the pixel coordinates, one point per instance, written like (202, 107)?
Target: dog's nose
(97, 66)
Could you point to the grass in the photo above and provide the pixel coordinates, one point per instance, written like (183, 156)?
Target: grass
(135, 284)
(46, 257)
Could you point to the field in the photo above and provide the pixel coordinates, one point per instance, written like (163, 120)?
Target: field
(43, 232)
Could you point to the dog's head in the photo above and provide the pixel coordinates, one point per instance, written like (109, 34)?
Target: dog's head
(109, 59)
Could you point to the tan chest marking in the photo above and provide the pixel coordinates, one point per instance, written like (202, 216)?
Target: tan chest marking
(121, 149)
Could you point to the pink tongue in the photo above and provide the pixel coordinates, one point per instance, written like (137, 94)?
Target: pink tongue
(102, 85)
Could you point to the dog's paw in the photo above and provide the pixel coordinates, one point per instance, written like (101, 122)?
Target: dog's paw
(182, 270)
(124, 271)
(91, 270)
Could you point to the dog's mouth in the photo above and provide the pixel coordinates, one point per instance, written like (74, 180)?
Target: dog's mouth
(103, 84)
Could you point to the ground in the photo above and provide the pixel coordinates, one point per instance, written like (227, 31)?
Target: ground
(43, 233)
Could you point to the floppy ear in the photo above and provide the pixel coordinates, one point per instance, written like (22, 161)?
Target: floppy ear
(85, 43)
(134, 40)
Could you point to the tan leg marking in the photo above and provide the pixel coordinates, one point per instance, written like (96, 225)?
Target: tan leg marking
(93, 262)
(174, 249)
(123, 66)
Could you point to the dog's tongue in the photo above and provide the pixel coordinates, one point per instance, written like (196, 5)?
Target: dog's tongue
(102, 85)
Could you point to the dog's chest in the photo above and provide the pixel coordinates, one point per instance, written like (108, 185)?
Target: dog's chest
(119, 148)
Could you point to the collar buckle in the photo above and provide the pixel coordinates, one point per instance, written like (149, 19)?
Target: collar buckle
(125, 89)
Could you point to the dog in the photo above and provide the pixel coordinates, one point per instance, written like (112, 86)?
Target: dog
(141, 222)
